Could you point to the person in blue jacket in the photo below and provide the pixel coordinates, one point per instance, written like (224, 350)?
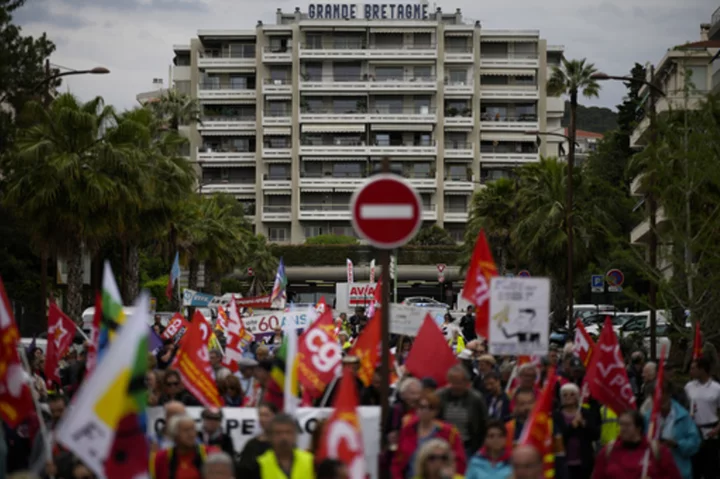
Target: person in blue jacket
(677, 431)
(493, 460)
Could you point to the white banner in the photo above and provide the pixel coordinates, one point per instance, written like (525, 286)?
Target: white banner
(519, 316)
(260, 324)
(406, 320)
(242, 425)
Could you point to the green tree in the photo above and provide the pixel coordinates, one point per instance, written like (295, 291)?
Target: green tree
(432, 236)
(176, 109)
(331, 239)
(263, 263)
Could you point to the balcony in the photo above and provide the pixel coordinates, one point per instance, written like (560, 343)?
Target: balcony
(357, 148)
(365, 83)
(224, 91)
(276, 152)
(714, 33)
(458, 149)
(459, 55)
(641, 233)
(356, 50)
(277, 54)
(226, 123)
(458, 88)
(225, 186)
(510, 60)
(508, 92)
(324, 211)
(455, 215)
(277, 119)
(243, 58)
(459, 119)
(276, 213)
(493, 157)
(422, 182)
(275, 183)
(638, 187)
(429, 213)
(459, 183)
(276, 86)
(505, 123)
(406, 115)
(307, 181)
(224, 155)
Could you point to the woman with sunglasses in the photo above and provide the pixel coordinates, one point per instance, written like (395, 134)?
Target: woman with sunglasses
(421, 429)
(435, 460)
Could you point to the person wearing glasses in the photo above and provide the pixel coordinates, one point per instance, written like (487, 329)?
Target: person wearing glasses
(421, 429)
(173, 390)
(435, 460)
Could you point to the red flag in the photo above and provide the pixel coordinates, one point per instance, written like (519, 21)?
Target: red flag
(319, 355)
(342, 437)
(477, 283)
(253, 302)
(606, 376)
(16, 402)
(654, 426)
(221, 323)
(584, 344)
(377, 298)
(193, 363)
(430, 343)
(697, 342)
(538, 430)
(321, 305)
(366, 349)
(91, 360)
(61, 331)
(176, 326)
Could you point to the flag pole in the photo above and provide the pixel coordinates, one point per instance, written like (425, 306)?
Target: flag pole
(82, 333)
(385, 342)
(41, 419)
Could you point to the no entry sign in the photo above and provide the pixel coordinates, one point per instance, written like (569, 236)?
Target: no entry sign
(386, 211)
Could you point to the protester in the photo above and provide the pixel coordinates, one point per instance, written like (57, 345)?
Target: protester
(220, 371)
(418, 431)
(211, 433)
(449, 328)
(524, 402)
(152, 381)
(185, 454)
(649, 375)
(164, 440)
(245, 375)
(493, 460)
(258, 445)
(175, 391)
(467, 324)
(634, 372)
(527, 463)
(234, 396)
(218, 465)
(704, 396)
(497, 400)
(284, 459)
(609, 430)
(435, 461)
(485, 366)
(632, 456)
(464, 408)
(262, 376)
(370, 396)
(579, 432)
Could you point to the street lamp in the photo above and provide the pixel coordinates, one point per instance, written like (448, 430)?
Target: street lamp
(655, 93)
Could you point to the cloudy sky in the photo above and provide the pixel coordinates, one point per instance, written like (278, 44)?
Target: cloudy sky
(134, 38)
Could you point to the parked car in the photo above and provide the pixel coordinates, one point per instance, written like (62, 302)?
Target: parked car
(424, 302)
(662, 338)
(593, 323)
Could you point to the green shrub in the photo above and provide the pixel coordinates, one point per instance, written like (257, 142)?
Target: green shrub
(331, 240)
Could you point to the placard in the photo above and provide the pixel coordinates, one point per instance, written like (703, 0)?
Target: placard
(519, 316)
(406, 320)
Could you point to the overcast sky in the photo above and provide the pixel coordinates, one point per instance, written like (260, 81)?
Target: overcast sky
(134, 38)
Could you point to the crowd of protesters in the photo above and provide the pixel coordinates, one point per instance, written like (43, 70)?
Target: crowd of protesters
(471, 427)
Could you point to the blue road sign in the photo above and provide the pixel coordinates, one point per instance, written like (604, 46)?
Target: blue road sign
(597, 283)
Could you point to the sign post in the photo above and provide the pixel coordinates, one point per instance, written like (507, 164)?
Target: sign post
(387, 212)
(615, 279)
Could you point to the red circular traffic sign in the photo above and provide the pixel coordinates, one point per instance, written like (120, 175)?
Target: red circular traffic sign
(386, 211)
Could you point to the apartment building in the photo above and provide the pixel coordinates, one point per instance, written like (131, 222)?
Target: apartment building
(685, 75)
(297, 115)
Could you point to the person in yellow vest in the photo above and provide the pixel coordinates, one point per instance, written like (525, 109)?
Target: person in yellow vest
(284, 459)
(610, 429)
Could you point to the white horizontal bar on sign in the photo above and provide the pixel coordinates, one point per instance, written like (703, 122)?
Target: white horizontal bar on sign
(386, 212)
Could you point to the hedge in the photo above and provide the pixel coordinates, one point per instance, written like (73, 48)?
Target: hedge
(333, 255)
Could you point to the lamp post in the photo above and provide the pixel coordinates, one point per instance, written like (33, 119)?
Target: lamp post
(655, 93)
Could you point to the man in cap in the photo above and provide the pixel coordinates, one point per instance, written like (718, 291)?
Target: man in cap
(485, 365)
(246, 369)
(211, 433)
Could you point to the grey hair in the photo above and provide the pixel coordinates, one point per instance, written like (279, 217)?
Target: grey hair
(175, 422)
(426, 450)
(405, 385)
(570, 387)
(527, 367)
(459, 368)
(218, 459)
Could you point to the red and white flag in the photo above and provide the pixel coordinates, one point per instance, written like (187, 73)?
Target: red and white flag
(342, 436)
(237, 338)
(319, 355)
(16, 402)
(477, 283)
(176, 327)
(584, 344)
(61, 331)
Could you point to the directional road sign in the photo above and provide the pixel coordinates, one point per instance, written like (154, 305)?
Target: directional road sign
(386, 211)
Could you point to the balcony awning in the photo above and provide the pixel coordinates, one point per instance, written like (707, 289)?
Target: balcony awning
(507, 72)
(459, 193)
(458, 33)
(317, 190)
(339, 128)
(507, 137)
(335, 158)
(278, 96)
(509, 39)
(277, 130)
(459, 128)
(244, 69)
(220, 164)
(402, 127)
(277, 160)
(228, 133)
(403, 30)
(233, 101)
(277, 192)
(343, 190)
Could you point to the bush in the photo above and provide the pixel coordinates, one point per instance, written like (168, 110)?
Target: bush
(331, 240)
(157, 289)
(433, 236)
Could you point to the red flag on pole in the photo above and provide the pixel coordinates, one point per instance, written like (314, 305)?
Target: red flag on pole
(430, 343)
(366, 349)
(697, 342)
(477, 283)
(342, 436)
(61, 331)
(538, 430)
(319, 355)
(584, 344)
(606, 375)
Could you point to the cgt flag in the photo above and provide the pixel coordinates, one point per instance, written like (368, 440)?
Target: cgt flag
(366, 349)
(477, 283)
(61, 331)
(319, 355)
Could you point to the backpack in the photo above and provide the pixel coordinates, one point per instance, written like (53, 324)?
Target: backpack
(654, 447)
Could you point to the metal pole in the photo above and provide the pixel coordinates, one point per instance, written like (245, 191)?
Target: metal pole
(652, 213)
(385, 343)
(569, 206)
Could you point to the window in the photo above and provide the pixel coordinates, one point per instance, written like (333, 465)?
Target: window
(525, 111)
(426, 201)
(494, 50)
(312, 104)
(278, 234)
(389, 104)
(279, 75)
(347, 170)
(525, 49)
(697, 76)
(389, 73)
(421, 170)
(238, 83)
(313, 41)
(456, 44)
(456, 204)
(455, 140)
(277, 200)
(211, 175)
(211, 82)
(347, 71)
(277, 108)
(182, 60)
(388, 41)
(493, 80)
(313, 72)
(494, 112)
(495, 174)
(423, 139)
(240, 144)
(348, 41)
(312, 169)
(183, 87)
(457, 173)
(524, 80)
(241, 50)
(382, 139)
(457, 76)
(278, 45)
(422, 40)
(344, 105)
(277, 141)
(240, 175)
(422, 73)
(278, 172)
(421, 105)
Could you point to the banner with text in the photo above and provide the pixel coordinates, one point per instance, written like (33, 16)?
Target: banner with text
(259, 325)
(361, 294)
(406, 320)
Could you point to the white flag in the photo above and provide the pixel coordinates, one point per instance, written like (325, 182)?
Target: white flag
(350, 272)
(372, 271)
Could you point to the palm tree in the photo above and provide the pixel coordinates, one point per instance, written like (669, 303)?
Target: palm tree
(493, 209)
(65, 179)
(177, 109)
(263, 263)
(572, 77)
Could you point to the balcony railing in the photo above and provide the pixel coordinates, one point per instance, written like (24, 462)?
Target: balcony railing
(277, 209)
(489, 118)
(509, 56)
(223, 86)
(368, 77)
(324, 207)
(359, 45)
(370, 111)
(237, 52)
(278, 81)
(278, 49)
(226, 118)
(222, 149)
(458, 145)
(228, 181)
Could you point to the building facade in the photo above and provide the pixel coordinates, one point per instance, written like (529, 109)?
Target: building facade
(297, 114)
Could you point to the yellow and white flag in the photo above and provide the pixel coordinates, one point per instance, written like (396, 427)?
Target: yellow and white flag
(113, 391)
